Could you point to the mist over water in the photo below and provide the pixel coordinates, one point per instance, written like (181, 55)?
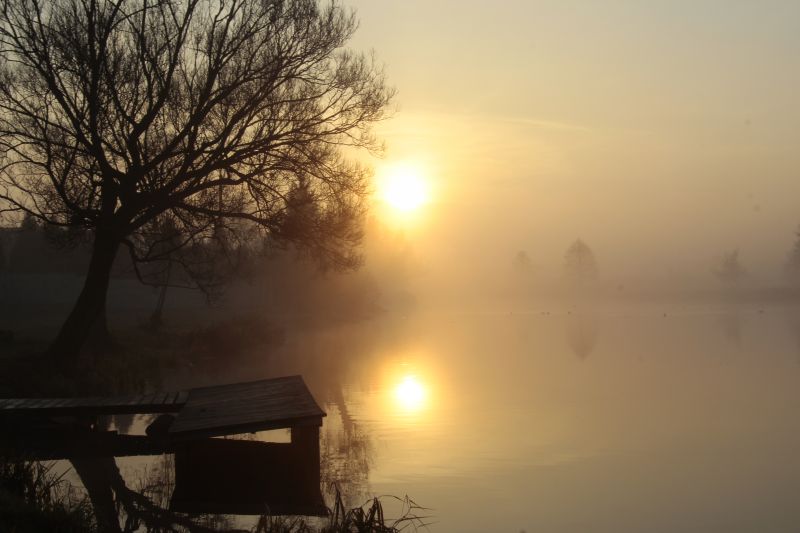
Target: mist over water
(508, 408)
(623, 419)
(565, 418)
(576, 303)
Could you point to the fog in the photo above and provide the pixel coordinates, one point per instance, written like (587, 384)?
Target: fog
(576, 305)
(661, 134)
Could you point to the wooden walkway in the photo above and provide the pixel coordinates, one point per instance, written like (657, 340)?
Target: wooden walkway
(211, 475)
(201, 412)
(246, 407)
(160, 402)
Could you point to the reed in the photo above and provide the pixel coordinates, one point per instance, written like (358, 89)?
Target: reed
(34, 498)
(368, 518)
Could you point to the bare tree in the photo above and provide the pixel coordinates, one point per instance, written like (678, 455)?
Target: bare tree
(162, 272)
(115, 114)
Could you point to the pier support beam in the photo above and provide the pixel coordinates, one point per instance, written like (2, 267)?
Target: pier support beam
(305, 441)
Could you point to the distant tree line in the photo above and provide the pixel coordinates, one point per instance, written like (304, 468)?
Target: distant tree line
(792, 267)
(580, 264)
(730, 270)
(34, 248)
(280, 278)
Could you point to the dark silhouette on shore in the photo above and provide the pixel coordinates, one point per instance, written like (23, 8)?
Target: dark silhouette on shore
(179, 122)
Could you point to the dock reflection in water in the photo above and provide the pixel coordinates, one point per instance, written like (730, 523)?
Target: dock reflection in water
(648, 412)
(210, 475)
(547, 422)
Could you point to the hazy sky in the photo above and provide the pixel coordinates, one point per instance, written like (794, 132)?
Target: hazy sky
(662, 133)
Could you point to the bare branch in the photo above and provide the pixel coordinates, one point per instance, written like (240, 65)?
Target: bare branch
(205, 116)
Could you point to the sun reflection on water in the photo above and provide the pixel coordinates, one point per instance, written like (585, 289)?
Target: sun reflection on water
(410, 394)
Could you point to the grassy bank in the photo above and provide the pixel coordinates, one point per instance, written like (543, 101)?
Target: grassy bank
(34, 499)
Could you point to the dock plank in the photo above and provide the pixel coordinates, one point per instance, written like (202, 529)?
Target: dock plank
(206, 411)
(181, 398)
(62, 402)
(245, 407)
(10, 403)
(137, 400)
(33, 403)
(129, 404)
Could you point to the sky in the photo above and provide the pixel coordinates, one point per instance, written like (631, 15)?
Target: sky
(661, 133)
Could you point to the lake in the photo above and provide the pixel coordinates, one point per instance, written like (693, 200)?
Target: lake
(560, 418)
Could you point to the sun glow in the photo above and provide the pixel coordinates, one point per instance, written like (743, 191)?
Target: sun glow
(410, 393)
(403, 187)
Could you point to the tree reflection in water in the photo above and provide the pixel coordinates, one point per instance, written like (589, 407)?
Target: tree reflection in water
(145, 507)
(116, 506)
(732, 326)
(794, 327)
(327, 358)
(345, 454)
(346, 446)
(582, 334)
(143, 499)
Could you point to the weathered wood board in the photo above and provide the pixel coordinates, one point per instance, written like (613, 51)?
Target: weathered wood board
(94, 406)
(201, 412)
(245, 407)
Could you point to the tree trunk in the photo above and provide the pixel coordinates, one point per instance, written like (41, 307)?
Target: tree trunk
(95, 474)
(157, 318)
(90, 305)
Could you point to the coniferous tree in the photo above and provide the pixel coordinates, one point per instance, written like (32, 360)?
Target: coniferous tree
(792, 267)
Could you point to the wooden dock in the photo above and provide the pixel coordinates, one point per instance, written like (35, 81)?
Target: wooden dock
(211, 475)
(200, 412)
(161, 402)
(247, 407)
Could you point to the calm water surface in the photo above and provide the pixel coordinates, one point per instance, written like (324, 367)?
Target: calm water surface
(562, 420)
(608, 420)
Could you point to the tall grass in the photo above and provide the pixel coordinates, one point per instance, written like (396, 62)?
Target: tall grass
(33, 498)
(369, 518)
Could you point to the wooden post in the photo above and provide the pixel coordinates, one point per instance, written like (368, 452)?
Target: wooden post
(305, 441)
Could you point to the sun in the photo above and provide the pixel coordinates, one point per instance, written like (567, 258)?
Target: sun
(403, 187)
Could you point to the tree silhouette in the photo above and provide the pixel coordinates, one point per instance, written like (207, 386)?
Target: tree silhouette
(30, 253)
(729, 270)
(792, 267)
(579, 262)
(162, 275)
(522, 262)
(119, 113)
